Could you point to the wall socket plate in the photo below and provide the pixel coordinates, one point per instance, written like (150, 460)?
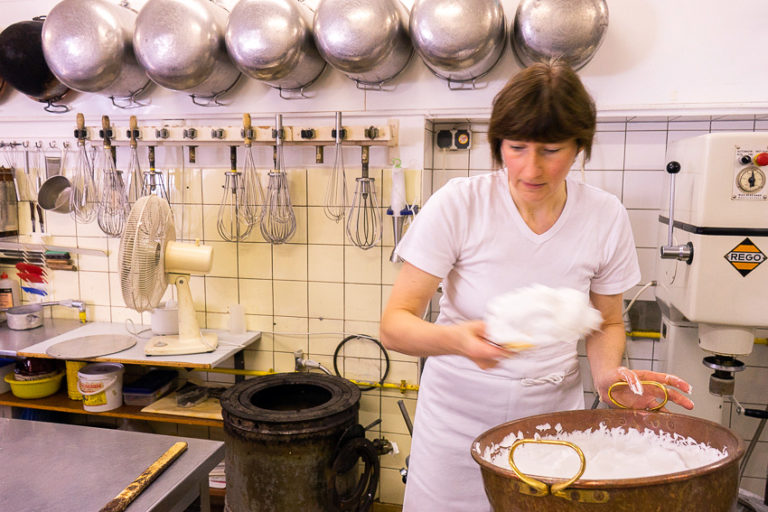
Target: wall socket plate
(454, 139)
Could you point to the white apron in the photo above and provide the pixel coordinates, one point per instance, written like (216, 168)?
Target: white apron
(458, 401)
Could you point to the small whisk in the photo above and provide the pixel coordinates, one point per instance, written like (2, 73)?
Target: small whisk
(277, 220)
(153, 180)
(134, 181)
(232, 222)
(364, 216)
(336, 190)
(253, 195)
(113, 206)
(84, 197)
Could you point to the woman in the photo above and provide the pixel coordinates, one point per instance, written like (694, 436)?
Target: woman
(486, 235)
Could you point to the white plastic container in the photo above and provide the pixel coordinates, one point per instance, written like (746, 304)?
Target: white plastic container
(10, 293)
(101, 385)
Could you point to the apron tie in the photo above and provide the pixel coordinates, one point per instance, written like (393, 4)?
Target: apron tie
(553, 378)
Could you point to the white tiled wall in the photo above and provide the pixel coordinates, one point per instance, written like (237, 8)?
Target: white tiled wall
(320, 284)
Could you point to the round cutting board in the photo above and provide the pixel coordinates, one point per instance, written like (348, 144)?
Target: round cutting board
(91, 346)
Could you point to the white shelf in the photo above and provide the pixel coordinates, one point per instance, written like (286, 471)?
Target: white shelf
(229, 345)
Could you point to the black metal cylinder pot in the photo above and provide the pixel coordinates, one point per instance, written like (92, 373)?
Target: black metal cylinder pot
(292, 442)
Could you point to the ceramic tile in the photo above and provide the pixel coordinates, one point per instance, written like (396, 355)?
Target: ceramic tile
(325, 263)
(644, 189)
(289, 262)
(326, 335)
(326, 300)
(317, 182)
(645, 227)
(94, 288)
(392, 489)
(290, 298)
(256, 296)
(362, 266)
(645, 150)
(610, 181)
(224, 259)
(321, 229)
(607, 152)
(212, 185)
(290, 334)
(254, 260)
(220, 292)
(440, 177)
(362, 302)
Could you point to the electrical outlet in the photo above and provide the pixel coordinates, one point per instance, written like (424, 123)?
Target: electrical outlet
(454, 139)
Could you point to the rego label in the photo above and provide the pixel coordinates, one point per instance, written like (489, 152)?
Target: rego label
(745, 257)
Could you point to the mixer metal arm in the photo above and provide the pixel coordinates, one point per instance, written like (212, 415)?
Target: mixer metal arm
(669, 251)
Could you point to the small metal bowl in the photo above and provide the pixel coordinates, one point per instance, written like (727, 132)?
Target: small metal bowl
(54, 194)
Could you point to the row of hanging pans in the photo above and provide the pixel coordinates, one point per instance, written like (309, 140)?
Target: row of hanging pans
(197, 46)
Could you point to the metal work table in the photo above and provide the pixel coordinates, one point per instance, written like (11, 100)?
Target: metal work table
(12, 341)
(61, 468)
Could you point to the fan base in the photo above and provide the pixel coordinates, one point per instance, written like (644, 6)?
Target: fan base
(173, 345)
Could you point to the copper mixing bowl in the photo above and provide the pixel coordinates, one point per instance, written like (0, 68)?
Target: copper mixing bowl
(713, 487)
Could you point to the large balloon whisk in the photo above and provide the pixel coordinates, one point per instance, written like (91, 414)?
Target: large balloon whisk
(232, 222)
(364, 216)
(277, 221)
(336, 191)
(84, 197)
(252, 196)
(153, 180)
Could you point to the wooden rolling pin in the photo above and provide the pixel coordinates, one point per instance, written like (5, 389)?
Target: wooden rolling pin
(122, 500)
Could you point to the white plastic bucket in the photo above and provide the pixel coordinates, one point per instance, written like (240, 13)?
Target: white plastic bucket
(101, 385)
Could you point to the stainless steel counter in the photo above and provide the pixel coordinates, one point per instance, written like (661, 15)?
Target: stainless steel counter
(61, 468)
(13, 341)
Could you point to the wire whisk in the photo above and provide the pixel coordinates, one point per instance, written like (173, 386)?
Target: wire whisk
(232, 222)
(364, 216)
(277, 221)
(84, 196)
(113, 206)
(253, 194)
(134, 181)
(153, 180)
(336, 191)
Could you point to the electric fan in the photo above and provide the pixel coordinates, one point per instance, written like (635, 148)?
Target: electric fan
(150, 259)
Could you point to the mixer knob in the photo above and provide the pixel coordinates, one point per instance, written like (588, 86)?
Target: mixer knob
(761, 159)
(745, 159)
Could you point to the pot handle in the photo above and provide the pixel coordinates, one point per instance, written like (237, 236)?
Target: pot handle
(542, 488)
(644, 383)
(346, 458)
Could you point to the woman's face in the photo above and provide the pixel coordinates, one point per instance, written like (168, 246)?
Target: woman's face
(537, 170)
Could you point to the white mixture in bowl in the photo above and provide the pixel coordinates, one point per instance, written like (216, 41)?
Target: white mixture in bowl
(540, 315)
(610, 453)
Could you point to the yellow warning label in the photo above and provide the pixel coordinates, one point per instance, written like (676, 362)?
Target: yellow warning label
(745, 257)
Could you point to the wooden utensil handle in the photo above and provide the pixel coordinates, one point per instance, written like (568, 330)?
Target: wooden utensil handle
(122, 500)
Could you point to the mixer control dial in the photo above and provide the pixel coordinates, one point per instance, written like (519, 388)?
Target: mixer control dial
(761, 159)
(751, 179)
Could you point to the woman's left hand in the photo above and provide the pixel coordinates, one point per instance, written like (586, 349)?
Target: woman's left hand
(637, 396)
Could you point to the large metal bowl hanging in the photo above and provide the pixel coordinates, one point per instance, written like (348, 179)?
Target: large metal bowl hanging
(181, 45)
(571, 30)
(284, 58)
(459, 41)
(22, 64)
(366, 40)
(105, 29)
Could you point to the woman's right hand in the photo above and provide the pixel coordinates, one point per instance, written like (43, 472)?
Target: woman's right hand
(472, 343)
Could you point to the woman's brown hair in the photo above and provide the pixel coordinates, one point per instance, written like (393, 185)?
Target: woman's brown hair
(545, 102)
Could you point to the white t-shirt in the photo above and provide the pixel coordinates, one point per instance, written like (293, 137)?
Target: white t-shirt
(471, 235)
